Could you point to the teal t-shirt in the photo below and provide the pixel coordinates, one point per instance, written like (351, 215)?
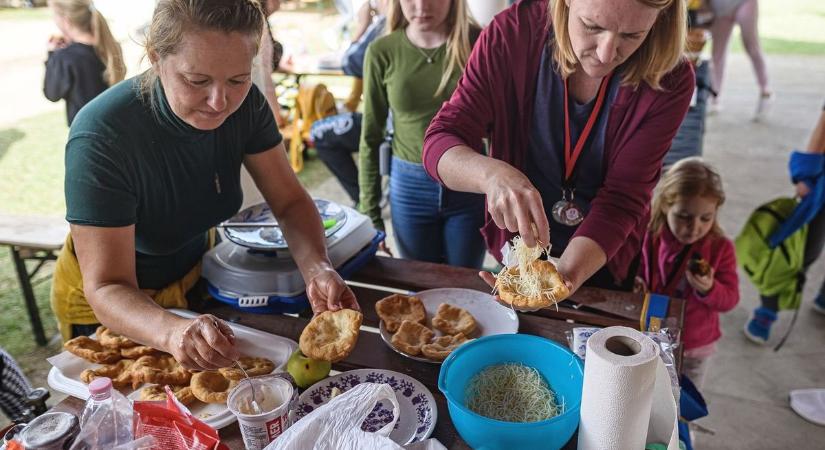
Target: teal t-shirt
(130, 164)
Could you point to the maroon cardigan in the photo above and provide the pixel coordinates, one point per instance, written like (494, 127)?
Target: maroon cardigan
(494, 99)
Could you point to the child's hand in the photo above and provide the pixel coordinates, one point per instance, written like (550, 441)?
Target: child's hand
(639, 285)
(702, 284)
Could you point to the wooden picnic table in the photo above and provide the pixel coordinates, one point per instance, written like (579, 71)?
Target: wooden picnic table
(592, 307)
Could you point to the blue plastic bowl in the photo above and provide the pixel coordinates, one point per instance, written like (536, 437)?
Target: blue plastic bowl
(560, 367)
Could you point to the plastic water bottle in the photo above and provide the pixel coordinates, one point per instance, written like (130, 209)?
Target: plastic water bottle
(106, 420)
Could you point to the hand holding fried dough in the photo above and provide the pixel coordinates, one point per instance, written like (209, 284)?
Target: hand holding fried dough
(327, 291)
(203, 343)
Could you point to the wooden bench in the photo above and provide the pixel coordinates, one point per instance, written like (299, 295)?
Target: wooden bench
(37, 238)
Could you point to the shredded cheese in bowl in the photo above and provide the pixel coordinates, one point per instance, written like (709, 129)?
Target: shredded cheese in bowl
(511, 393)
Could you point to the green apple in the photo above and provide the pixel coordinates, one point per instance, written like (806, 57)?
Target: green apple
(305, 371)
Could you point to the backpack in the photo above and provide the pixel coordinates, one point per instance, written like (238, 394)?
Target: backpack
(314, 103)
(774, 271)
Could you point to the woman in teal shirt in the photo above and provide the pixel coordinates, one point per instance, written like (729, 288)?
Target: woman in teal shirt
(154, 163)
(411, 71)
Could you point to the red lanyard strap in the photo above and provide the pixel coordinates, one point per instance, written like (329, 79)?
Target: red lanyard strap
(571, 157)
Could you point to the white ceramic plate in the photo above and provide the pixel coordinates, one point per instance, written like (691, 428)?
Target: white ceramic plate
(251, 342)
(491, 317)
(418, 415)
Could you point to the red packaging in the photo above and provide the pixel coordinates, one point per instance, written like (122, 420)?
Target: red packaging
(173, 426)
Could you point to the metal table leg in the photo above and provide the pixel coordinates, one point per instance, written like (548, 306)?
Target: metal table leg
(28, 295)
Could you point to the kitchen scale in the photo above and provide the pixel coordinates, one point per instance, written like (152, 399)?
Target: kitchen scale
(253, 269)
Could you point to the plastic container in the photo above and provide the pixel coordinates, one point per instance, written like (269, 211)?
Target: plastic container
(51, 431)
(558, 365)
(276, 396)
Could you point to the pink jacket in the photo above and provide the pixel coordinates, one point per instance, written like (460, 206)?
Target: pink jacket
(494, 99)
(701, 312)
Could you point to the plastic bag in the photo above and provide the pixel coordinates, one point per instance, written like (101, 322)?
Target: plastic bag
(173, 426)
(337, 425)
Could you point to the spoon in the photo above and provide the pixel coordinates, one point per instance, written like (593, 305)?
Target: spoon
(255, 407)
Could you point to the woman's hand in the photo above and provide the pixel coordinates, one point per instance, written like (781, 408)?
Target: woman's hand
(203, 343)
(56, 41)
(515, 205)
(327, 291)
(701, 284)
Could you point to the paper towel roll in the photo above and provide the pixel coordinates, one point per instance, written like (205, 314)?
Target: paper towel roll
(621, 372)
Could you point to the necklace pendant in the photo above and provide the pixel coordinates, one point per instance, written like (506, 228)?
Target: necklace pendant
(429, 60)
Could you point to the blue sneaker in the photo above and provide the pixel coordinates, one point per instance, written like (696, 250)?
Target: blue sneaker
(758, 329)
(819, 303)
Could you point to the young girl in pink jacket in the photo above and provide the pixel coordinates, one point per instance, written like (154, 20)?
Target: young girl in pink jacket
(686, 255)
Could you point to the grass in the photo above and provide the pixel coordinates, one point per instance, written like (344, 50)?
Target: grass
(25, 14)
(789, 27)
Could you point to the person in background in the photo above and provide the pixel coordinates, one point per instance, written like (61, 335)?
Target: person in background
(411, 71)
(337, 137)
(14, 387)
(266, 61)
(85, 60)
(579, 101)
(685, 254)
(744, 13)
(811, 189)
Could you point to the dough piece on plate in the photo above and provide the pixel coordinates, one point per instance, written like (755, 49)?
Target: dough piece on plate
(411, 336)
(451, 320)
(397, 308)
(253, 367)
(91, 350)
(441, 347)
(211, 387)
(109, 338)
(331, 335)
(155, 392)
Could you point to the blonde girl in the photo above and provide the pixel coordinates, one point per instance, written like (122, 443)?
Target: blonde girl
(685, 254)
(85, 60)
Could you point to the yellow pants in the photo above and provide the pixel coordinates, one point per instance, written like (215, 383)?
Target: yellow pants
(69, 301)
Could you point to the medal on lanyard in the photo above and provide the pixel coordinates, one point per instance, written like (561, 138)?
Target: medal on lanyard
(566, 211)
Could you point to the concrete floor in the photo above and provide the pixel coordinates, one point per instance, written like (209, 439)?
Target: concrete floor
(747, 385)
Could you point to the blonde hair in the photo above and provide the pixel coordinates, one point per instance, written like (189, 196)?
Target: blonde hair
(660, 53)
(459, 23)
(688, 178)
(82, 15)
(173, 18)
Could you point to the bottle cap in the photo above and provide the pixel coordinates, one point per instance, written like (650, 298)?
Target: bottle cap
(100, 388)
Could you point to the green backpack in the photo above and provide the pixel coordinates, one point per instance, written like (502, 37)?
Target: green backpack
(777, 271)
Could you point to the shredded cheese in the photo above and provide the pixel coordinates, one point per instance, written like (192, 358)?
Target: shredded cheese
(527, 281)
(511, 393)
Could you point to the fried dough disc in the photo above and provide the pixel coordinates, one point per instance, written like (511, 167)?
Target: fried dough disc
(441, 347)
(331, 335)
(109, 338)
(138, 351)
(252, 366)
(211, 387)
(120, 373)
(91, 350)
(163, 369)
(552, 286)
(411, 336)
(397, 308)
(451, 320)
(156, 392)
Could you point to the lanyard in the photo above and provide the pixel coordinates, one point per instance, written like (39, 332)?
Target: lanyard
(572, 156)
(668, 285)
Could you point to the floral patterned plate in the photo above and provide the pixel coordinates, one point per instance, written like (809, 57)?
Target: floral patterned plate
(418, 415)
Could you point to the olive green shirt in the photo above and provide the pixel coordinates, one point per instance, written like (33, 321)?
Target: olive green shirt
(130, 164)
(397, 78)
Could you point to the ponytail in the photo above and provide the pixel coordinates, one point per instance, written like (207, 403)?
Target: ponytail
(107, 49)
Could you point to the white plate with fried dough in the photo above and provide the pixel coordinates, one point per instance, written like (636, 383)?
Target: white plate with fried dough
(490, 317)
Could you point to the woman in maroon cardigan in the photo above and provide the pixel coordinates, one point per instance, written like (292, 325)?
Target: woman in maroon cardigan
(578, 118)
